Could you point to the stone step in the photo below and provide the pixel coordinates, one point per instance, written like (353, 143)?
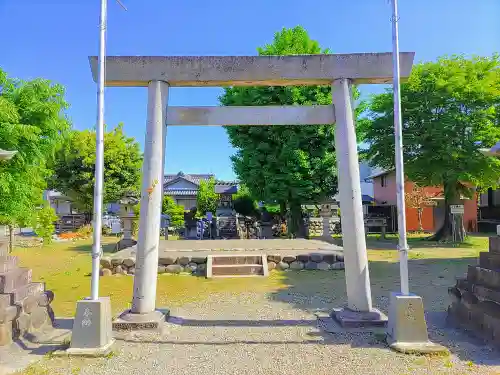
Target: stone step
(483, 276)
(494, 245)
(5, 301)
(7, 263)
(237, 265)
(236, 259)
(4, 247)
(32, 289)
(489, 260)
(14, 279)
(237, 270)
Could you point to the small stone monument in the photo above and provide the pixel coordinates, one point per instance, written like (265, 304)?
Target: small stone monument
(326, 213)
(476, 297)
(266, 224)
(128, 216)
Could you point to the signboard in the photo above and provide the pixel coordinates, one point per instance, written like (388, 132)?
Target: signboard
(457, 209)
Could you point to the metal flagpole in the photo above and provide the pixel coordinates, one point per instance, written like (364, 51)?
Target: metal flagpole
(99, 156)
(99, 153)
(400, 176)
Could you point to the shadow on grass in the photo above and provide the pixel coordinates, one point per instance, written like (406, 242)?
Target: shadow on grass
(429, 278)
(109, 247)
(391, 243)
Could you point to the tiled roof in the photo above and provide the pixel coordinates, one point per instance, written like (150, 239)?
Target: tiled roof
(194, 178)
(181, 192)
(226, 188)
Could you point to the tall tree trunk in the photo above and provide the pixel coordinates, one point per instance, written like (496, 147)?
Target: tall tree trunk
(419, 213)
(296, 227)
(11, 238)
(445, 233)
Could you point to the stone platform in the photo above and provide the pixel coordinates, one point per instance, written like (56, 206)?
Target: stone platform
(191, 255)
(24, 305)
(476, 298)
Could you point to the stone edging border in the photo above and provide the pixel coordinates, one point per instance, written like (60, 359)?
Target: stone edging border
(197, 265)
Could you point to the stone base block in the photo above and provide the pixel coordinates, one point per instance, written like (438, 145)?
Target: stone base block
(129, 321)
(124, 243)
(87, 352)
(356, 319)
(407, 328)
(92, 333)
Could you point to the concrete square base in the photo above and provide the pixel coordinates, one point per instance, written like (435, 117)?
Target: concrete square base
(92, 334)
(357, 319)
(129, 321)
(407, 329)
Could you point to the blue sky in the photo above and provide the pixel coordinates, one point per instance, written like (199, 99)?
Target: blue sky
(52, 39)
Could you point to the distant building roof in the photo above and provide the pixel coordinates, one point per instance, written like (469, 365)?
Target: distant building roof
(380, 173)
(194, 178)
(221, 187)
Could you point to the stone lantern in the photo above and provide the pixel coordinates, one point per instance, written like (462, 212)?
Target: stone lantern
(326, 213)
(127, 215)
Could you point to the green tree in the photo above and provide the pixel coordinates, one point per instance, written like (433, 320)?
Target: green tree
(206, 198)
(32, 121)
(175, 211)
(450, 111)
(243, 202)
(43, 222)
(285, 165)
(75, 167)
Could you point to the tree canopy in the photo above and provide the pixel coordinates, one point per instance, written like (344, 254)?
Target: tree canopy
(450, 110)
(289, 165)
(75, 167)
(32, 122)
(175, 211)
(206, 198)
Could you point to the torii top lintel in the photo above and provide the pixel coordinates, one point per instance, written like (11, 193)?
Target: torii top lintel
(196, 71)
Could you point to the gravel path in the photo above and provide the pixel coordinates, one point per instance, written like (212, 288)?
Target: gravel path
(255, 334)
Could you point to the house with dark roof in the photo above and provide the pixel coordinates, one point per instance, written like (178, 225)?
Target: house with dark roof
(183, 188)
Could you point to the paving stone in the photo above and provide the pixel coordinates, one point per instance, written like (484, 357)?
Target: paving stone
(303, 258)
(183, 261)
(282, 266)
(296, 265)
(289, 259)
(271, 266)
(329, 258)
(106, 262)
(337, 266)
(199, 260)
(106, 272)
(129, 262)
(173, 268)
(120, 270)
(311, 265)
(166, 260)
(116, 261)
(323, 266)
(318, 258)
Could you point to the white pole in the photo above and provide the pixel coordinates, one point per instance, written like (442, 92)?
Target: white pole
(400, 176)
(99, 157)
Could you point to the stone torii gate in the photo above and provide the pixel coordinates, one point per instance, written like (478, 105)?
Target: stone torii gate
(158, 74)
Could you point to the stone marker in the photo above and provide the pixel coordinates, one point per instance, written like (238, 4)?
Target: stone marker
(92, 335)
(282, 266)
(407, 329)
(296, 265)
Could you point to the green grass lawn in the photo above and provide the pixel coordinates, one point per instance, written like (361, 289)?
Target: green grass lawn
(65, 268)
